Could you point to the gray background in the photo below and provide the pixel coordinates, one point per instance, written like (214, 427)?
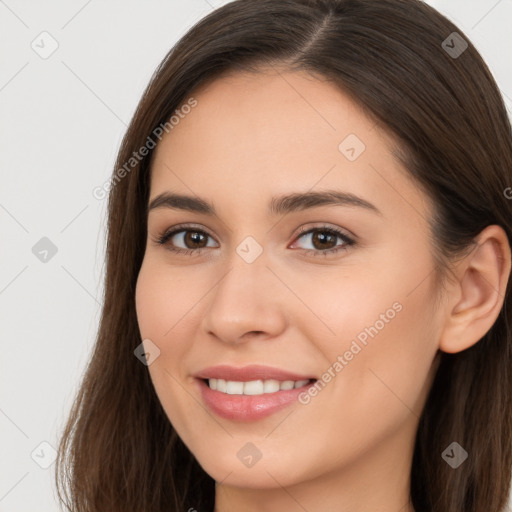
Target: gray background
(62, 119)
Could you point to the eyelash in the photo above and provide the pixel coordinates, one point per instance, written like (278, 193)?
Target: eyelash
(163, 238)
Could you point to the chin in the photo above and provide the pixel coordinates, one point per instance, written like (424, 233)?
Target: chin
(265, 473)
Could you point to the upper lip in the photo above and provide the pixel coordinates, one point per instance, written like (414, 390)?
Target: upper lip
(248, 373)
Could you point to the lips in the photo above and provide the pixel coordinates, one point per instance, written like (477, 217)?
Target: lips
(249, 407)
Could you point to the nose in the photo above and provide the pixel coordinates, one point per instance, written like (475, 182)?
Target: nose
(247, 302)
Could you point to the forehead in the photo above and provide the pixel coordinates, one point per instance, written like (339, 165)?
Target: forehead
(270, 133)
(272, 109)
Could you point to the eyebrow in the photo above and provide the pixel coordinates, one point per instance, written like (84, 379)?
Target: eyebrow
(277, 205)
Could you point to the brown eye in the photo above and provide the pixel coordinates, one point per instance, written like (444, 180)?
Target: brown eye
(193, 239)
(323, 240)
(185, 240)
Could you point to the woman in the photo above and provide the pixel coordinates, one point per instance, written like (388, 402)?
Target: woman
(307, 301)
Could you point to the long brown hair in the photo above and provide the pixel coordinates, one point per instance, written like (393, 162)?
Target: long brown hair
(395, 59)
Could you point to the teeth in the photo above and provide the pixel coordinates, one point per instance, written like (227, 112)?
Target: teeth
(287, 384)
(270, 386)
(254, 387)
(234, 388)
(221, 385)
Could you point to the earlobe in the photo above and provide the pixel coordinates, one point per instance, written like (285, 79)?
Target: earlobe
(479, 291)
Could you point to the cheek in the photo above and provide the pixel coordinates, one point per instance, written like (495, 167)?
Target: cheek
(381, 324)
(383, 382)
(163, 298)
(162, 301)
(391, 369)
(162, 305)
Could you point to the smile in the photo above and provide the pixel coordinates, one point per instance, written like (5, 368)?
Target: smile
(249, 393)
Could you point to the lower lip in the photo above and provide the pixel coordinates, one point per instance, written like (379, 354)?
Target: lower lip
(248, 407)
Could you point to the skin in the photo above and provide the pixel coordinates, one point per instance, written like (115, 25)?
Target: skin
(252, 137)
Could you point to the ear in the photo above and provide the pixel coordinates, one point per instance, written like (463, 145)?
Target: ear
(476, 297)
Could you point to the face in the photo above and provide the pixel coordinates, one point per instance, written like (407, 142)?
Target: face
(331, 294)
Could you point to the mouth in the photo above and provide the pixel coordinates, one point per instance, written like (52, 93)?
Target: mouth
(250, 393)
